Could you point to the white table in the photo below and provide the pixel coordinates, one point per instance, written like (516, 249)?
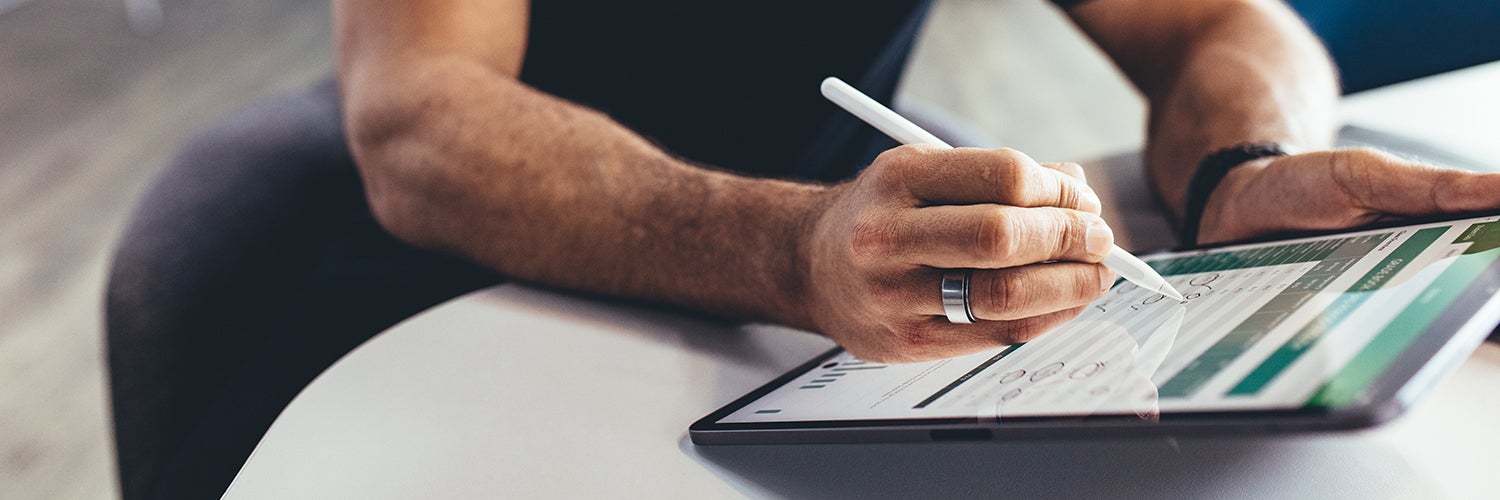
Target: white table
(514, 391)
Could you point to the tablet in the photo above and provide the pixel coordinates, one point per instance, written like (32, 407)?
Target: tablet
(1334, 331)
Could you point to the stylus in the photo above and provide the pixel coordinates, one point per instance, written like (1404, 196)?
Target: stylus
(1128, 266)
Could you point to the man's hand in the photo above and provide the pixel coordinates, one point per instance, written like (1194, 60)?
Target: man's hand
(1335, 190)
(877, 254)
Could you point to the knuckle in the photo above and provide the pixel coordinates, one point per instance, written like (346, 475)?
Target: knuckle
(1362, 161)
(1070, 193)
(872, 240)
(1015, 182)
(1017, 174)
(1072, 232)
(893, 166)
(993, 238)
(883, 172)
(901, 157)
(890, 157)
(1008, 295)
(1350, 173)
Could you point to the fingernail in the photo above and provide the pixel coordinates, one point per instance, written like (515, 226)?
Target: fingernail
(1089, 202)
(1099, 238)
(1107, 279)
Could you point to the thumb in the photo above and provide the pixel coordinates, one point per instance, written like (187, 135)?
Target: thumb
(1381, 182)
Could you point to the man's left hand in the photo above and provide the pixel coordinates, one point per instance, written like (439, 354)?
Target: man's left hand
(1338, 189)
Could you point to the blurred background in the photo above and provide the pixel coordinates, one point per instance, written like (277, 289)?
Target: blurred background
(95, 95)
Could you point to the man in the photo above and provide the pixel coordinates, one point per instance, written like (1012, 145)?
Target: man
(651, 151)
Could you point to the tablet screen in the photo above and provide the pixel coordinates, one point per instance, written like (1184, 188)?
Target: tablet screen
(1291, 324)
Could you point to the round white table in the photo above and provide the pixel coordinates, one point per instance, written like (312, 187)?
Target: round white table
(514, 391)
(518, 392)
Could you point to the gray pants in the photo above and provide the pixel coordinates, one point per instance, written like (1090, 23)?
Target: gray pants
(251, 265)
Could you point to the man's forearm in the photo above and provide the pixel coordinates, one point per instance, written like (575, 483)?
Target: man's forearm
(1253, 73)
(464, 160)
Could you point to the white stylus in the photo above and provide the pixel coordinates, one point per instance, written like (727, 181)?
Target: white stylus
(1128, 266)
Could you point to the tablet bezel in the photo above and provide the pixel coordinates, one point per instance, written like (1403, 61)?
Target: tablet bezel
(1435, 352)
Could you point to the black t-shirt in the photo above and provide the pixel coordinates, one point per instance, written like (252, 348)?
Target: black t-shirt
(727, 84)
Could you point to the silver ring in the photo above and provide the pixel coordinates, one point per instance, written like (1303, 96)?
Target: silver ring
(955, 290)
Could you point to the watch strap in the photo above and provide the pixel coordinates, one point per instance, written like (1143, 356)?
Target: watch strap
(1211, 171)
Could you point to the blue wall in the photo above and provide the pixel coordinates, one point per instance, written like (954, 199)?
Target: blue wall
(1379, 42)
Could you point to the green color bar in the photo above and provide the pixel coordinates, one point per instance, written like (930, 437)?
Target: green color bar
(1247, 333)
(1484, 236)
(1351, 381)
(812, 387)
(1294, 253)
(1309, 335)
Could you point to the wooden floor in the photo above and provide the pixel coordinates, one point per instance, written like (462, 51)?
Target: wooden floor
(90, 109)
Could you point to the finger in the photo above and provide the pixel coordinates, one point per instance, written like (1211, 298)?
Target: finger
(1008, 294)
(1023, 292)
(1073, 170)
(1382, 182)
(997, 236)
(968, 176)
(936, 338)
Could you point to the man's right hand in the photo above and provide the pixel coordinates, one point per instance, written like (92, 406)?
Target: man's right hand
(875, 257)
(563, 196)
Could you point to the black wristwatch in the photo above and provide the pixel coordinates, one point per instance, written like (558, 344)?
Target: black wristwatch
(1211, 172)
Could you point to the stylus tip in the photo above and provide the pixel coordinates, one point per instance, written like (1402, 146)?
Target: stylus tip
(1166, 289)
